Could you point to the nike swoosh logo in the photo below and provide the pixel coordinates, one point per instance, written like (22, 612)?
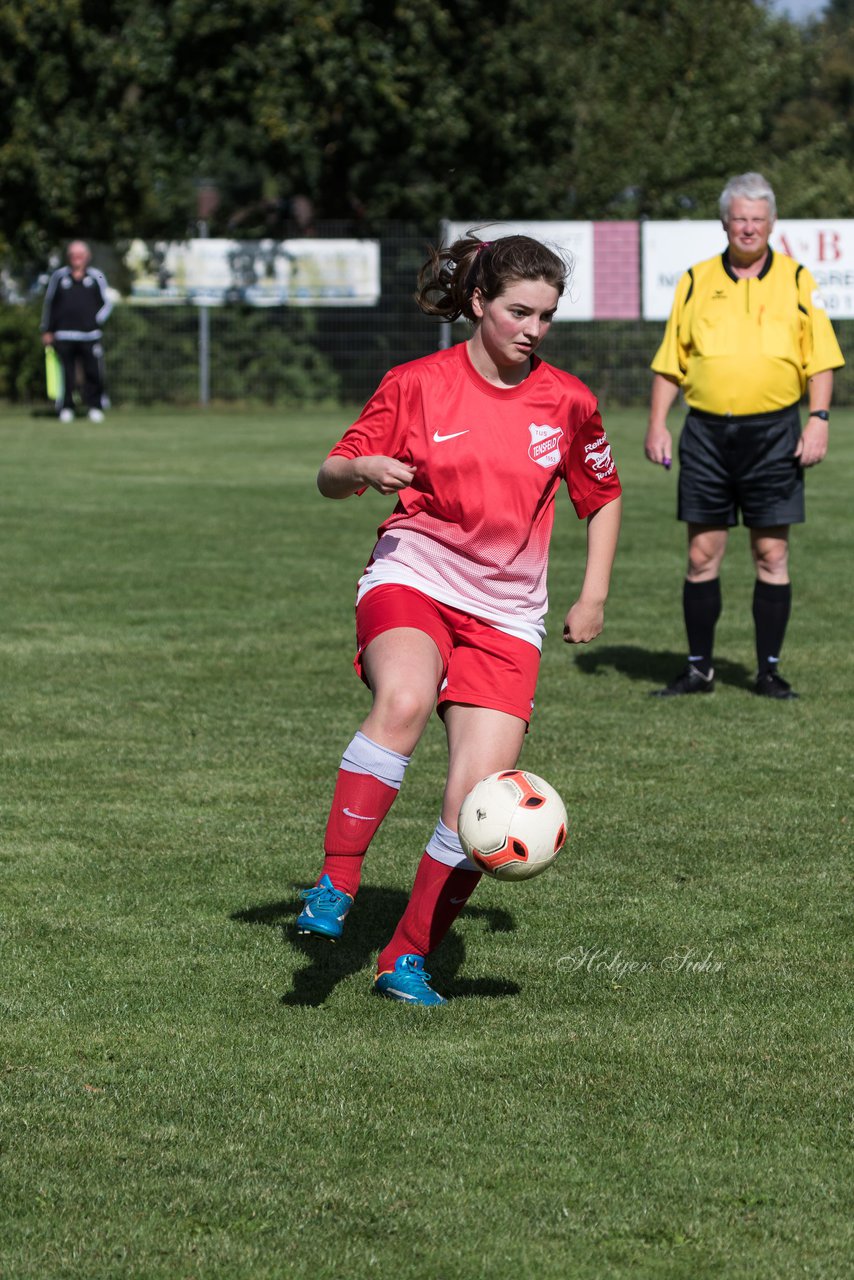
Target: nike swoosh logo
(458, 900)
(437, 439)
(308, 912)
(359, 816)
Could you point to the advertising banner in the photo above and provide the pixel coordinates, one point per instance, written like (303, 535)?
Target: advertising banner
(258, 273)
(824, 245)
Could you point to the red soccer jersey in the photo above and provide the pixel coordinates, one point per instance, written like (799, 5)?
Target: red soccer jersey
(473, 529)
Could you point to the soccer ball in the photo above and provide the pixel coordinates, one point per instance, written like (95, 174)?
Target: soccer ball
(512, 825)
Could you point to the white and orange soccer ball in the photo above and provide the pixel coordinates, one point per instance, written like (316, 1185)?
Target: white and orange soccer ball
(513, 825)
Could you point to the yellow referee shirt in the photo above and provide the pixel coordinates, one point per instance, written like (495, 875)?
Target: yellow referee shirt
(746, 346)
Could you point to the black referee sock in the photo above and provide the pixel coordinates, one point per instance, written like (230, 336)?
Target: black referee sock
(701, 604)
(772, 604)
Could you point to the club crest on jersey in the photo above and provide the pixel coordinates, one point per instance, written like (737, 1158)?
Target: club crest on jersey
(544, 448)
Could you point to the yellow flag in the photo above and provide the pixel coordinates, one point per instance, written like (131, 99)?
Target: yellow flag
(53, 374)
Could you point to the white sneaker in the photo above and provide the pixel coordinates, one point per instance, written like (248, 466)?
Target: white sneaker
(66, 415)
(95, 415)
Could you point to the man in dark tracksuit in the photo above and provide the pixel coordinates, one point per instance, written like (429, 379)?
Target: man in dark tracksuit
(75, 307)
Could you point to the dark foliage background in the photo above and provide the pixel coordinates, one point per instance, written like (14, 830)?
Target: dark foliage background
(132, 117)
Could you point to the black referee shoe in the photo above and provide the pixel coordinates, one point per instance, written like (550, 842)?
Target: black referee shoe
(690, 681)
(769, 685)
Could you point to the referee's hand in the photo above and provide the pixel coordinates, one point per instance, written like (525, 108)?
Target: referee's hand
(812, 446)
(658, 446)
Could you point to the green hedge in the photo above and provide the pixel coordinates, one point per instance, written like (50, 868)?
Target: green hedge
(255, 355)
(22, 379)
(151, 356)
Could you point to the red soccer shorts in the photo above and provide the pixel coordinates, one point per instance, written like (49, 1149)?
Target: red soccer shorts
(481, 666)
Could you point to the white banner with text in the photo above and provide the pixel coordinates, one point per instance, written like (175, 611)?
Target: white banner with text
(258, 273)
(824, 245)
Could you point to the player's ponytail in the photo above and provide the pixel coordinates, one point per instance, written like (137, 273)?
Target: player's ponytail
(450, 276)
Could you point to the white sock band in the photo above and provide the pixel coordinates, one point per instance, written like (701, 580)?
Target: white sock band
(444, 846)
(365, 756)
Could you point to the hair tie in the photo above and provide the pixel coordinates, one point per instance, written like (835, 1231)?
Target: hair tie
(484, 244)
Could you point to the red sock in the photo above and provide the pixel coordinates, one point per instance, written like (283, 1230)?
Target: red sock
(438, 896)
(359, 805)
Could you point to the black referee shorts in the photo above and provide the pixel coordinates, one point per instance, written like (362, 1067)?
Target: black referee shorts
(745, 464)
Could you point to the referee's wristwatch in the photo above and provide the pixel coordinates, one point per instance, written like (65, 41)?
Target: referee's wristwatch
(820, 413)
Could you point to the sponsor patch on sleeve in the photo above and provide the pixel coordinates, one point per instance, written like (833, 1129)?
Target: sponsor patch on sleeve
(597, 456)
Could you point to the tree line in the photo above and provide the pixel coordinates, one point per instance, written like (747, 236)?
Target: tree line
(136, 118)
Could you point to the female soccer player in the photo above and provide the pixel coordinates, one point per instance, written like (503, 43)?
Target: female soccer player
(474, 441)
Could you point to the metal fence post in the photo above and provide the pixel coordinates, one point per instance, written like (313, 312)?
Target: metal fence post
(204, 355)
(204, 338)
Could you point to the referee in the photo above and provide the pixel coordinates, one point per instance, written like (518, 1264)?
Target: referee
(746, 337)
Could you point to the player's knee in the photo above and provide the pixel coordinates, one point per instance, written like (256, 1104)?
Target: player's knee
(402, 707)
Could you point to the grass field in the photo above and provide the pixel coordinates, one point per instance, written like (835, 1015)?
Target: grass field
(645, 1069)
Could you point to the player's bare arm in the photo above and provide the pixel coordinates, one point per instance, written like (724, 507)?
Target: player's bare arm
(342, 477)
(812, 446)
(658, 445)
(586, 618)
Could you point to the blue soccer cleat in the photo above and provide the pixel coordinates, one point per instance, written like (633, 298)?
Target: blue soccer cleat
(408, 983)
(325, 910)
